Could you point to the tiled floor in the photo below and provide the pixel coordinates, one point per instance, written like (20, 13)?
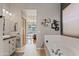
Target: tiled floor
(31, 50)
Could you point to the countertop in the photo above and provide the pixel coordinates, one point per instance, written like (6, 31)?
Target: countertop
(5, 37)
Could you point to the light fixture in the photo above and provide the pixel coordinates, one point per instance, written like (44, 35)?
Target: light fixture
(7, 12)
(46, 22)
(10, 14)
(54, 23)
(3, 10)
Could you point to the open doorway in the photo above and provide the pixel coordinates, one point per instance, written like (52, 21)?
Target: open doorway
(31, 26)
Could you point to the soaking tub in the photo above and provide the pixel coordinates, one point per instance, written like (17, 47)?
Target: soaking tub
(57, 45)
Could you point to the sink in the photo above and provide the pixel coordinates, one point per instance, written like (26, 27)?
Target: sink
(6, 36)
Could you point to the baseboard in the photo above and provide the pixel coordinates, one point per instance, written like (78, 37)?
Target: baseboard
(40, 48)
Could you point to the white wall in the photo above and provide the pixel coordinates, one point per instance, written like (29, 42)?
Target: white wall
(71, 20)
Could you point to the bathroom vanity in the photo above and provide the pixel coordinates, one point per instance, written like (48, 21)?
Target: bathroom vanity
(8, 45)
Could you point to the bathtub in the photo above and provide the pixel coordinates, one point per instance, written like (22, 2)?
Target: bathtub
(68, 46)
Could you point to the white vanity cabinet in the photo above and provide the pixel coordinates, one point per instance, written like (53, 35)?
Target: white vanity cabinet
(12, 45)
(9, 46)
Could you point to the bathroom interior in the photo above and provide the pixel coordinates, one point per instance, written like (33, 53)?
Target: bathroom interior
(39, 29)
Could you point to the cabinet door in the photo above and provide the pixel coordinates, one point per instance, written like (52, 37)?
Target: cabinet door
(12, 45)
(6, 47)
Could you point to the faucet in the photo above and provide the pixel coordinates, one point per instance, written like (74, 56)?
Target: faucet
(52, 50)
(57, 51)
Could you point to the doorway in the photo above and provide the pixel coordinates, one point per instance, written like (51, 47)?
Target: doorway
(31, 25)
